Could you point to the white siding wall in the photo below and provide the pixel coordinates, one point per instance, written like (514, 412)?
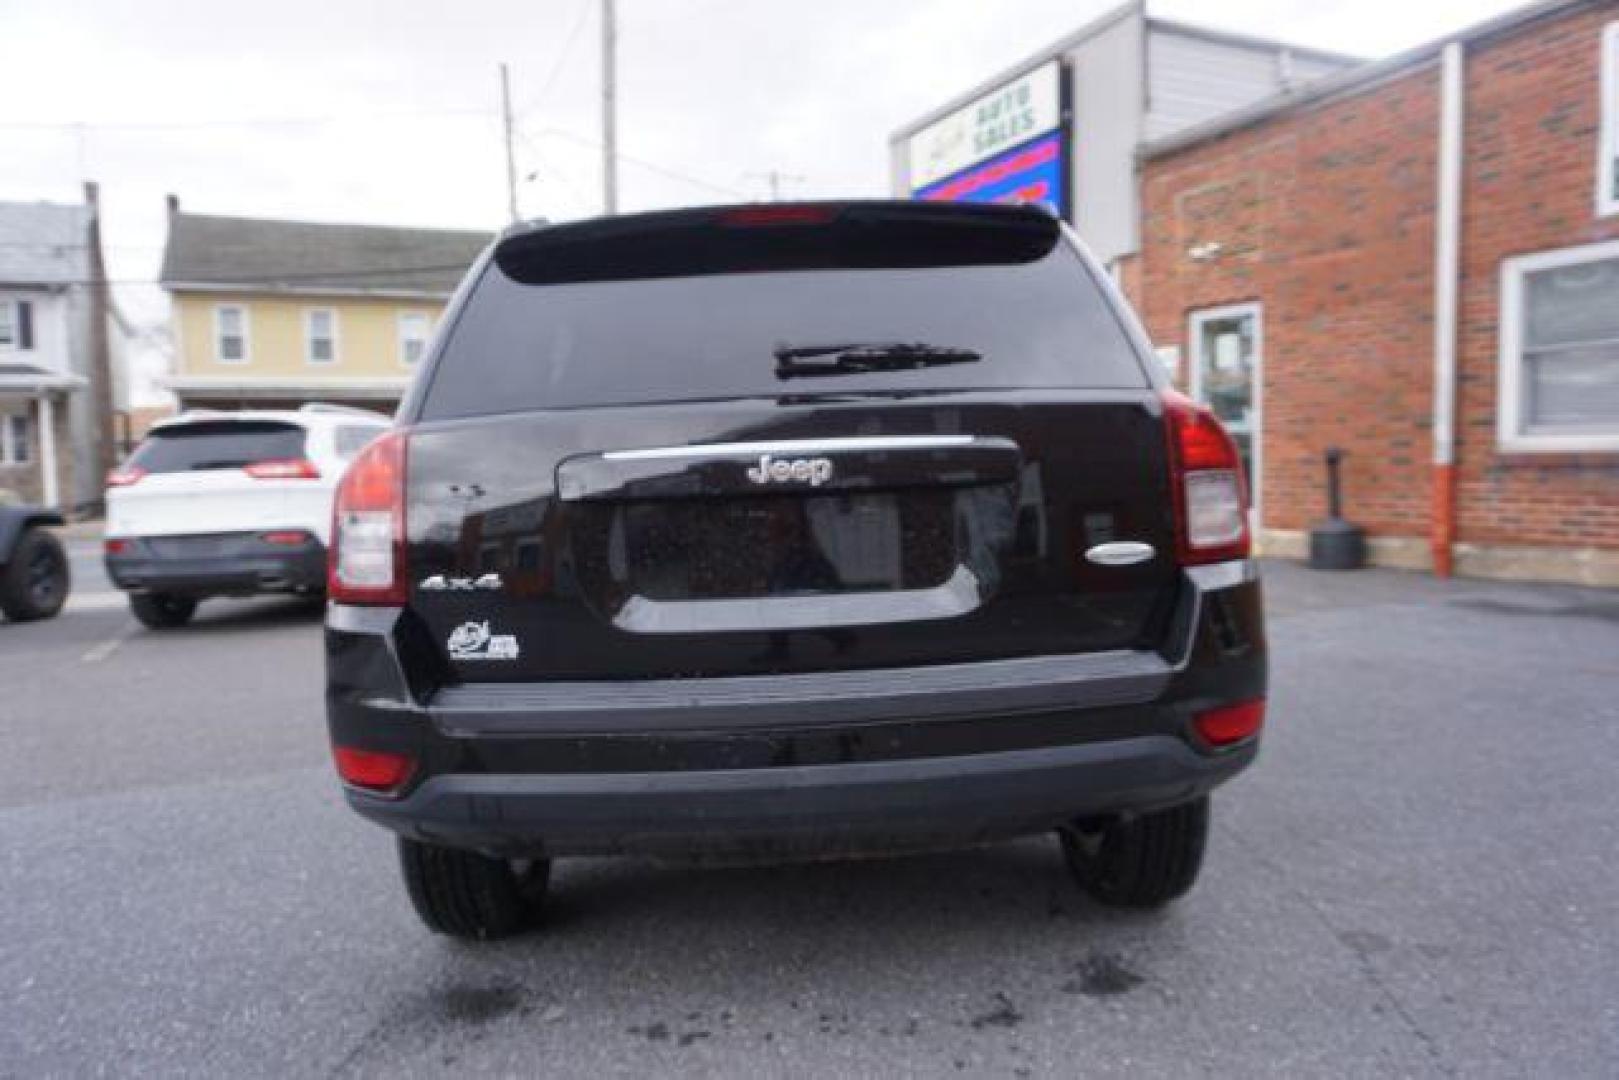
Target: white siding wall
(1192, 78)
(1108, 86)
(51, 330)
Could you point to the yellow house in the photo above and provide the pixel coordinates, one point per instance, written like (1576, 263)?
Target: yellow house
(273, 314)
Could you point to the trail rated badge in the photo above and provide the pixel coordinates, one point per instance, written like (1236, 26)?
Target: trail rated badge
(473, 641)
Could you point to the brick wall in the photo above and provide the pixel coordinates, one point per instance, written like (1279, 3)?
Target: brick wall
(1326, 215)
(1529, 183)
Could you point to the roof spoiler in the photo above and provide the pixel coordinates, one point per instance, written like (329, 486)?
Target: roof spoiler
(344, 410)
(778, 237)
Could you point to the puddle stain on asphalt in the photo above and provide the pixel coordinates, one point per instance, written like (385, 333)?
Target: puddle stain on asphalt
(660, 1031)
(1600, 610)
(1003, 1015)
(1102, 975)
(476, 1005)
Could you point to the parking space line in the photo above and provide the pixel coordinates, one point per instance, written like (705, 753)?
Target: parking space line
(108, 647)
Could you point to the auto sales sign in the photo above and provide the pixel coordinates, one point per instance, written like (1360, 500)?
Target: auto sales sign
(1005, 146)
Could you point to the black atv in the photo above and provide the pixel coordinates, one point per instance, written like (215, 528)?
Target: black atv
(34, 575)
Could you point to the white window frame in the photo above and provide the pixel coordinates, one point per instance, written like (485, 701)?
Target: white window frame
(12, 306)
(1509, 434)
(1608, 123)
(1194, 383)
(219, 334)
(427, 336)
(309, 337)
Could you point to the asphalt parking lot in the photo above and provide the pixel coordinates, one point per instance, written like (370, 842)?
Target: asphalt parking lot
(1421, 877)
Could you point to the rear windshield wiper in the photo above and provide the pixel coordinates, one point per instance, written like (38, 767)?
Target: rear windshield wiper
(798, 361)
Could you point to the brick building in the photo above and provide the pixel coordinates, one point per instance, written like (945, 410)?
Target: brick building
(1416, 260)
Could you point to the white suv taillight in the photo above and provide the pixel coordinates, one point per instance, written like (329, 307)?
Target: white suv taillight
(366, 564)
(1211, 495)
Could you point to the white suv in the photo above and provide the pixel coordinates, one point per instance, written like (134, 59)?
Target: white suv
(229, 504)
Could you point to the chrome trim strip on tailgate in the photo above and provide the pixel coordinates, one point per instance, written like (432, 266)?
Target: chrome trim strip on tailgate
(995, 687)
(958, 595)
(794, 446)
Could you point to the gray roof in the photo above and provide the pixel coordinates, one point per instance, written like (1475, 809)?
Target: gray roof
(1354, 79)
(308, 256)
(44, 244)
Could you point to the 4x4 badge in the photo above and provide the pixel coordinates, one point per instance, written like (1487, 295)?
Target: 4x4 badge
(441, 583)
(473, 641)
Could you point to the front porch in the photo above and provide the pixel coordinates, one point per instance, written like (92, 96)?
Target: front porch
(36, 463)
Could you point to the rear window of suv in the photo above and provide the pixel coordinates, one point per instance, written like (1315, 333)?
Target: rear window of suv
(222, 444)
(699, 330)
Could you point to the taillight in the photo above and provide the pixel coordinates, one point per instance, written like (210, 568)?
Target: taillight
(381, 771)
(286, 538)
(283, 469)
(115, 547)
(1211, 494)
(366, 563)
(778, 214)
(129, 474)
(1230, 723)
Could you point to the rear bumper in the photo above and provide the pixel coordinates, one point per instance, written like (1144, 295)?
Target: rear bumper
(813, 809)
(250, 566)
(796, 765)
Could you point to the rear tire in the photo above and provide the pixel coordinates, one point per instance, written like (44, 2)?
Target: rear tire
(1140, 861)
(162, 611)
(472, 896)
(35, 583)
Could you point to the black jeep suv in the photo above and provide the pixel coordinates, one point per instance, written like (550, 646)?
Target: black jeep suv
(785, 531)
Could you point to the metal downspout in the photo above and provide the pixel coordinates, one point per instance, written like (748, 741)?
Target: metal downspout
(1447, 245)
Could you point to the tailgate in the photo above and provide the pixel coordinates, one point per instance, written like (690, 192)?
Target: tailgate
(956, 534)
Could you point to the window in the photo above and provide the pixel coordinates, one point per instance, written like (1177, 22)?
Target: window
(230, 334)
(414, 328)
(16, 324)
(351, 439)
(1559, 363)
(320, 332)
(1225, 348)
(1608, 140)
(16, 444)
(205, 445)
(518, 346)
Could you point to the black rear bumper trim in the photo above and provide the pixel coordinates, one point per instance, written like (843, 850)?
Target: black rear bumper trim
(878, 804)
(269, 569)
(997, 687)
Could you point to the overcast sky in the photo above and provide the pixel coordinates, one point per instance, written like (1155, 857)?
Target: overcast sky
(386, 111)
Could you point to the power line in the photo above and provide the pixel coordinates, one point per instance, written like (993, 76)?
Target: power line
(271, 280)
(650, 166)
(76, 126)
(561, 61)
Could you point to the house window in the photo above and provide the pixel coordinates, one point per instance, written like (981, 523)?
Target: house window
(414, 328)
(230, 334)
(1608, 141)
(16, 446)
(16, 324)
(1559, 362)
(320, 332)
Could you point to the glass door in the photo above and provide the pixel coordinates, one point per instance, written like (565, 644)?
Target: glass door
(1226, 349)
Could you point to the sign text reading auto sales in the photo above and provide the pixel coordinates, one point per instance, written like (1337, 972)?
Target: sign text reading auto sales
(1003, 118)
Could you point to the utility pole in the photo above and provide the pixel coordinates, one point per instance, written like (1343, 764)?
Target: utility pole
(105, 454)
(506, 128)
(609, 108)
